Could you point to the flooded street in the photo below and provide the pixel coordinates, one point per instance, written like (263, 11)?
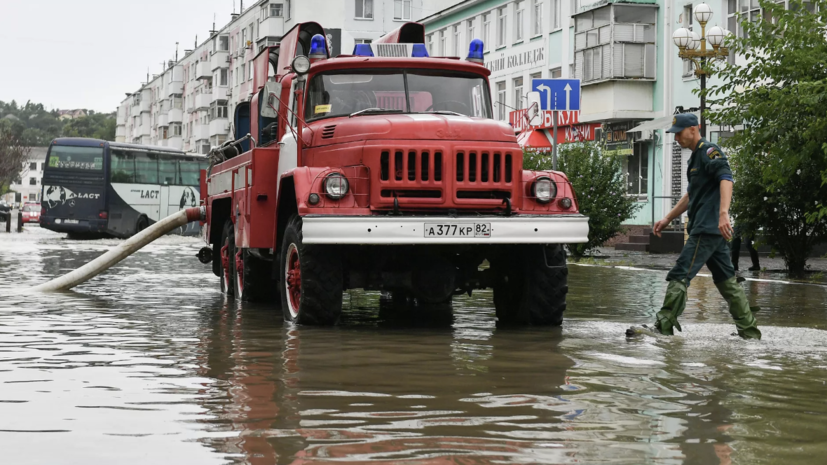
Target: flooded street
(150, 363)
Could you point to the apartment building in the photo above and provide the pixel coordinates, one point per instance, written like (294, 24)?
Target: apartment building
(622, 52)
(29, 182)
(189, 106)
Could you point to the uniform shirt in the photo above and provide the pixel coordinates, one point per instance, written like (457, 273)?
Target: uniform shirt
(708, 166)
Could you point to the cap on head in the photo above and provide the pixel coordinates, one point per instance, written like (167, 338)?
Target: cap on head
(683, 121)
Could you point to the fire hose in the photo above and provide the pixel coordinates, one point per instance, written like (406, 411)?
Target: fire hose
(123, 250)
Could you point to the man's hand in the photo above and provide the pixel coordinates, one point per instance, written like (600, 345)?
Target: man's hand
(660, 225)
(725, 226)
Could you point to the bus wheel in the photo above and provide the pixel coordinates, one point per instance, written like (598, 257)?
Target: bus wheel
(227, 252)
(531, 285)
(252, 278)
(141, 224)
(311, 279)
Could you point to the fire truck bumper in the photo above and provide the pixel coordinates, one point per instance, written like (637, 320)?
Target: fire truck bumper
(391, 230)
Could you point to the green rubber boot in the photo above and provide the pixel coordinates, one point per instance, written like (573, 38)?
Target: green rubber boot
(673, 305)
(739, 308)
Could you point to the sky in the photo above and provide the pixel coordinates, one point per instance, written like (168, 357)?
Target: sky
(89, 53)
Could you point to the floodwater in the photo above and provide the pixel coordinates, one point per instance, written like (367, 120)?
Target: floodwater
(151, 364)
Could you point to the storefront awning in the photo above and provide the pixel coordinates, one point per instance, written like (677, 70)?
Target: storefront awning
(663, 122)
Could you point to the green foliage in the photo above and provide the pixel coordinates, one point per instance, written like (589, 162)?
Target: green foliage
(36, 127)
(780, 156)
(599, 185)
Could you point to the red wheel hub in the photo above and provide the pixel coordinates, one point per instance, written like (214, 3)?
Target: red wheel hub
(294, 280)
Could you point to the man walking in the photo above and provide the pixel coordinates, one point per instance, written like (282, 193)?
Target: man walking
(707, 199)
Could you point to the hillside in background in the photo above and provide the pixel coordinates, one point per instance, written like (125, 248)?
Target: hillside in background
(36, 126)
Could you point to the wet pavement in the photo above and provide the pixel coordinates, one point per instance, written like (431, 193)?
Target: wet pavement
(151, 364)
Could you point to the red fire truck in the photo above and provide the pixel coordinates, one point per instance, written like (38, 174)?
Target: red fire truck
(382, 170)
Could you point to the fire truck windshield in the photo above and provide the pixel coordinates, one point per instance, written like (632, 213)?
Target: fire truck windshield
(343, 93)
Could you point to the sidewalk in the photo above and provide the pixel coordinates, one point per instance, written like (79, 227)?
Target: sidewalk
(771, 268)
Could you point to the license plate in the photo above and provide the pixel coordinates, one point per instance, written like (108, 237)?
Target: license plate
(70, 221)
(458, 230)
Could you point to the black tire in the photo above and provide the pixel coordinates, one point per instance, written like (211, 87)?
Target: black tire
(227, 273)
(256, 284)
(531, 285)
(318, 301)
(141, 224)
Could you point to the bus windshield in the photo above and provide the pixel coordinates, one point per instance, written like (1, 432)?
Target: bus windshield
(78, 158)
(394, 91)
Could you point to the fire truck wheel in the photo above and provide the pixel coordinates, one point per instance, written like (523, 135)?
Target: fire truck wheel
(227, 252)
(252, 278)
(311, 279)
(531, 286)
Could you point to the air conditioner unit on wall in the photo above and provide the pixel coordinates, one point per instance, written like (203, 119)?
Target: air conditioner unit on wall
(645, 134)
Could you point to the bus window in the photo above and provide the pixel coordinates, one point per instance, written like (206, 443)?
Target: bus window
(166, 170)
(79, 158)
(122, 168)
(146, 168)
(190, 175)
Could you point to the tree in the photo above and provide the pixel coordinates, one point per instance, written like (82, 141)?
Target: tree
(780, 156)
(599, 185)
(13, 153)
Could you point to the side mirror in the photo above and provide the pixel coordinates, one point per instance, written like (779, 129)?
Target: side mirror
(271, 100)
(534, 115)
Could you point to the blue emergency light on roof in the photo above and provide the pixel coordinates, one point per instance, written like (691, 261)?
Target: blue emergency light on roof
(419, 51)
(318, 47)
(475, 51)
(363, 50)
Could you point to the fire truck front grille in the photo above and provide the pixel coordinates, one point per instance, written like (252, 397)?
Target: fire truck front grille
(411, 165)
(483, 168)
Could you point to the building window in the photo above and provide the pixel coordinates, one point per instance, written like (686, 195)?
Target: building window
(456, 41)
(287, 10)
(223, 43)
(469, 31)
(42, 166)
(32, 181)
(276, 10)
(362, 41)
(615, 42)
(33, 166)
(250, 69)
(501, 18)
(222, 76)
(174, 129)
(218, 109)
(364, 9)
(431, 44)
(687, 23)
(33, 197)
(556, 73)
(556, 14)
(401, 9)
(637, 170)
(518, 94)
(537, 23)
(519, 16)
(442, 43)
(501, 101)
(486, 31)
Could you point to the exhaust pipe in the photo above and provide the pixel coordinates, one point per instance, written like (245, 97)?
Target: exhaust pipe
(127, 248)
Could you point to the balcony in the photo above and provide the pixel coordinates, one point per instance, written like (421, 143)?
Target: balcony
(146, 130)
(202, 101)
(271, 27)
(613, 100)
(175, 142)
(176, 115)
(203, 71)
(163, 120)
(200, 132)
(120, 131)
(220, 127)
(175, 88)
(135, 110)
(219, 93)
(220, 60)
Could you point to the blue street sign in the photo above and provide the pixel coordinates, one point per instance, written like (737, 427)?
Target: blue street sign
(558, 94)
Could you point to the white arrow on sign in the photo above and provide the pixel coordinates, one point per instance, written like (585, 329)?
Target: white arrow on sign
(568, 91)
(548, 95)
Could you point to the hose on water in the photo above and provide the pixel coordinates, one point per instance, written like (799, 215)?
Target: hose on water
(123, 250)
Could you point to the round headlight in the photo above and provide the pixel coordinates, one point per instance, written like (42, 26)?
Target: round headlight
(335, 185)
(543, 190)
(301, 65)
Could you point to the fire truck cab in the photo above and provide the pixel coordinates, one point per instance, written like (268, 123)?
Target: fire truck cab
(382, 170)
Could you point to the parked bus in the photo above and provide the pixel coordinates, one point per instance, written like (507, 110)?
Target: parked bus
(97, 188)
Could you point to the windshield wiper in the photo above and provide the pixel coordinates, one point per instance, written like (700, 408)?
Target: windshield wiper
(444, 112)
(374, 110)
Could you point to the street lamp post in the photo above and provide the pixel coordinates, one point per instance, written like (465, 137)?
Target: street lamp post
(693, 47)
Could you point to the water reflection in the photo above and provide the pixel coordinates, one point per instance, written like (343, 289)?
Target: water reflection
(152, 364)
